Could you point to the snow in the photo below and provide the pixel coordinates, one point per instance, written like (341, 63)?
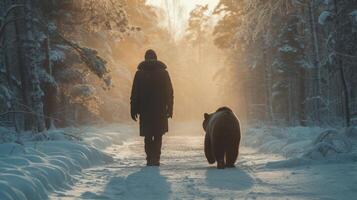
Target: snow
(354, 15)
(5, 96)
(57, 55)
(6, 135)
(33, 169)
(327, 2)
(46, 77)
(185, 174)
(2, 68)
(287, 48)
(83, 91)
(4, 92)
(324, 16)
(109, 163)
(304, 145)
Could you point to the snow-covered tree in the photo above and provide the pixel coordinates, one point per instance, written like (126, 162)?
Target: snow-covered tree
(289, 48)
(44, 53)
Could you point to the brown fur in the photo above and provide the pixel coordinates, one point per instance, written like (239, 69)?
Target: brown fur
(222, 138)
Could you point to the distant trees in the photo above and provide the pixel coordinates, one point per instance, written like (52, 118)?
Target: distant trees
(198, 25)
(196, 32)
(290, 53)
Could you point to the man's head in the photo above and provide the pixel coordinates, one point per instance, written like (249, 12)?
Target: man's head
(150, 55)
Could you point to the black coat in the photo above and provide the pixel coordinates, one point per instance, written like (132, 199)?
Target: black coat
(152, 97)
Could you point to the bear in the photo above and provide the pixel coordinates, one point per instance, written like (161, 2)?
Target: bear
(222, 137)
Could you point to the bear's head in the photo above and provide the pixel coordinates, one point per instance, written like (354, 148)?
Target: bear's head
(205, 121)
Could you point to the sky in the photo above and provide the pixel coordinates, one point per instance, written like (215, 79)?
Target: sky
(178, 11)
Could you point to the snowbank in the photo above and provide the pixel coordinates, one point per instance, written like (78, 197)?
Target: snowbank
(37, 166)
(304, 145)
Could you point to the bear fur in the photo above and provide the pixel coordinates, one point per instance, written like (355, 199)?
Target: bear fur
(222, 138)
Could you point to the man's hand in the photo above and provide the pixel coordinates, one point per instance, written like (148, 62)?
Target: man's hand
(134, 116)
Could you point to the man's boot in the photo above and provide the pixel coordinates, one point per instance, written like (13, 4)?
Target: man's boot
(157, 150)
(149, 151)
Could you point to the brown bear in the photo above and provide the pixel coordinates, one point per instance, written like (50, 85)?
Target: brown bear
(222, 137)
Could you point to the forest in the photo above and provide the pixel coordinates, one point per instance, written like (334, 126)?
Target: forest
(67, 63)
(294, 61)
(287, 68)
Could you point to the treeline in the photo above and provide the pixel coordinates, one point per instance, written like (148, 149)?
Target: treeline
(289, 62)
(51, 73)
(293, 62)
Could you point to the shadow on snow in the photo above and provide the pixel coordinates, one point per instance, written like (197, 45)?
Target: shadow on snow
(146, 183)
(228, 179)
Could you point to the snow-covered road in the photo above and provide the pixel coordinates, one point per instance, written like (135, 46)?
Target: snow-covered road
(185, 174)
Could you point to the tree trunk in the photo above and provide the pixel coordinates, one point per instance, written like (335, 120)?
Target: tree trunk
(346, 94)
(32, 47)
(24, 71)
(339, 61)
(290, 101)
(49, 89)
(268, 83)
(316, 61)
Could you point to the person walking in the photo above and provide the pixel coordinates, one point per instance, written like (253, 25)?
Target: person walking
(152, 101)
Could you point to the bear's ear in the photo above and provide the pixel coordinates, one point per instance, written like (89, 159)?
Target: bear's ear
(206, 115)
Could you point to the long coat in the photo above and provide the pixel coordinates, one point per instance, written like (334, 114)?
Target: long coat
(152, 97)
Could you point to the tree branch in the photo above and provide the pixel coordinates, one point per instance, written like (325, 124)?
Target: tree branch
(2, 28)
(7, 12)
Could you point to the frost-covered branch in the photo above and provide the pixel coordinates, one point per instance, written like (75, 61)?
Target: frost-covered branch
(91, 58)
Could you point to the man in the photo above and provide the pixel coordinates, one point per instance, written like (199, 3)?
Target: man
(152, 99)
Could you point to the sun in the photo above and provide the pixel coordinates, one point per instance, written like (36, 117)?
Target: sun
(189, 4)
(178, 11)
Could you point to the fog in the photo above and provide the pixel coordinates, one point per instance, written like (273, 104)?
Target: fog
(198, 69)
(177, 12)
(192, 69)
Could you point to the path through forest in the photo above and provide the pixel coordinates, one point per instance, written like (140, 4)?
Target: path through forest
(185, 174)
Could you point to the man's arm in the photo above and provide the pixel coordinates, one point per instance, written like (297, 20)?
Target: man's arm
(170, 96)
(134, 99)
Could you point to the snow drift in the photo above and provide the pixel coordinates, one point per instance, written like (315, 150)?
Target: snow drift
(45, 163)
(304, 145)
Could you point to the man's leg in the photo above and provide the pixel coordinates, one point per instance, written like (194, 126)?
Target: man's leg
(157, 150)
(149, 150)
